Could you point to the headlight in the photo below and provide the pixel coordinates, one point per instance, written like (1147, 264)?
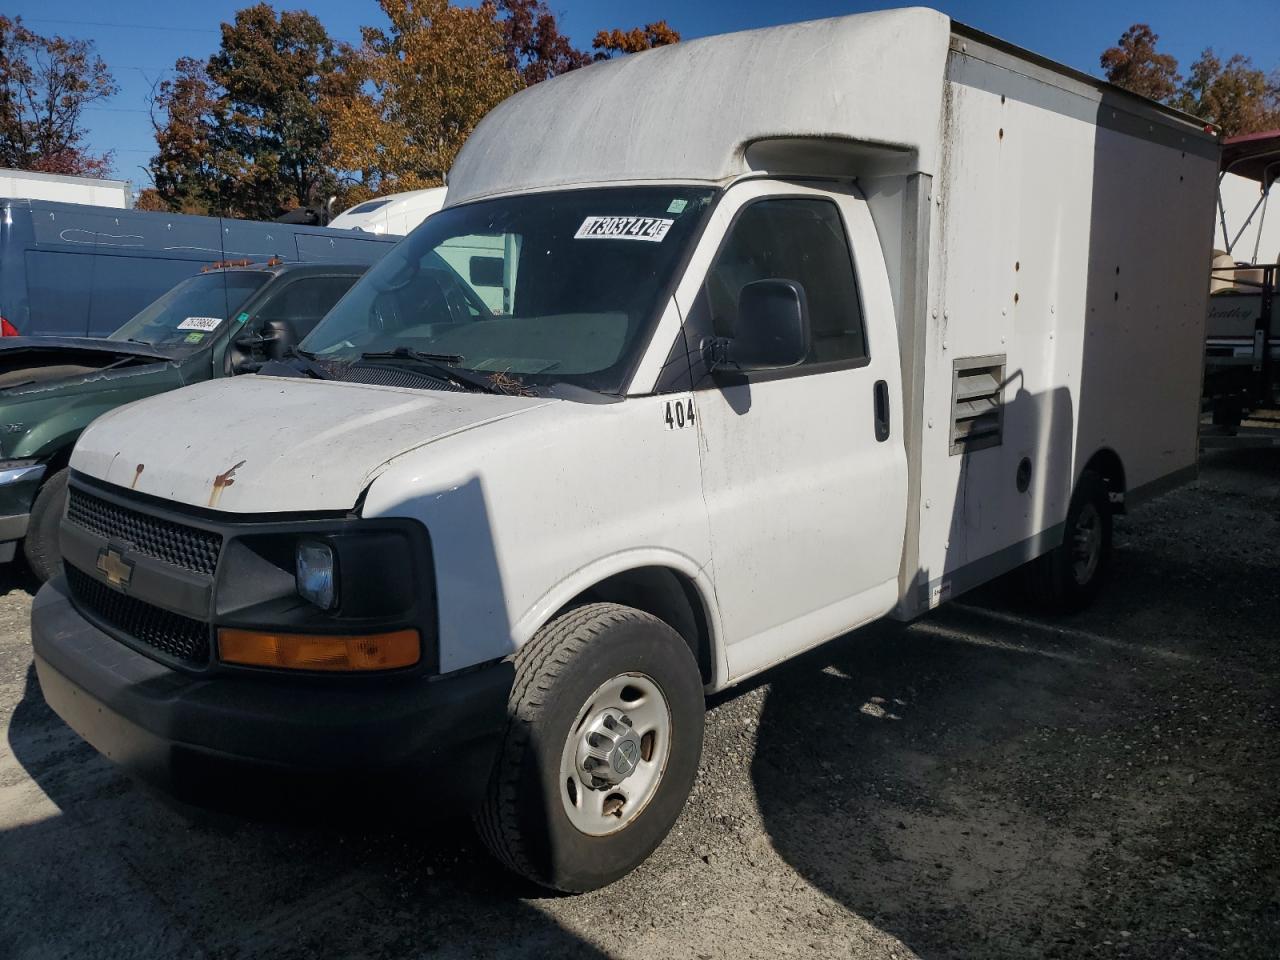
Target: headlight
(316, 574)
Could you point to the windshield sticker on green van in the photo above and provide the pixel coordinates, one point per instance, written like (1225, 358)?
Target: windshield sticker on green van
(241, 317)
(199, 323)
(652, 229)
(194, 337)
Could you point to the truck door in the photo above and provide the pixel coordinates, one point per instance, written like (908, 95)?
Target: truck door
(804, 470)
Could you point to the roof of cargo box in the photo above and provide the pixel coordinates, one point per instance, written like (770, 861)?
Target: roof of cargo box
(689, 111)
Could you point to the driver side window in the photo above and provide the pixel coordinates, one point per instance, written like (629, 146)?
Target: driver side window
(304, 302)
(800, 239)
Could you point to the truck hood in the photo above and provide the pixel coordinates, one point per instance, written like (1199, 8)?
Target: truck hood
(38, 363)
(255, 444)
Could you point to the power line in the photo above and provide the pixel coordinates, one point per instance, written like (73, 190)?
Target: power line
(122, 26)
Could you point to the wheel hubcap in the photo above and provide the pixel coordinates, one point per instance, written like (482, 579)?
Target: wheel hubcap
(1086, 547)
(615, 754)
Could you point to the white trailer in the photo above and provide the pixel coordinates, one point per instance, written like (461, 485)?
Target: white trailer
(801, 327)
(93, 191)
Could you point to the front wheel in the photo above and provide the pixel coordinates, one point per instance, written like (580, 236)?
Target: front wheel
(601, 748)
(41, 544)
(1068, 577)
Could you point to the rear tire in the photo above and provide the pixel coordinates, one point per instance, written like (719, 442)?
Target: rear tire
(41, 544)
(630, 677)
(1067, 578)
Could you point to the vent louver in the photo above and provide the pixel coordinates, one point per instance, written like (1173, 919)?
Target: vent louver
(977, 403)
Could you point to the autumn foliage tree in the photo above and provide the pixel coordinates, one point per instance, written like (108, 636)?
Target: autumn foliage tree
(45, 85)
(534, 45)
(1234, 95)
(423, 85)
(186, 113)
(610, 43)
(282, 116)
(1135, 64)
(244, 132)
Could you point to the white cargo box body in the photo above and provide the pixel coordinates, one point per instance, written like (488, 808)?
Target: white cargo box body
(1038, 227)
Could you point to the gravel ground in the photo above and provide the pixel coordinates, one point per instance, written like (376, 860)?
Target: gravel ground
(983, 783)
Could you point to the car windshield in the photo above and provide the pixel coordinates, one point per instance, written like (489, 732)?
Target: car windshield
(533, 289)
(188, 315)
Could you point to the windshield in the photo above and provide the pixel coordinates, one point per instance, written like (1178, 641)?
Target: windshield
(538, 288)
(188, 315)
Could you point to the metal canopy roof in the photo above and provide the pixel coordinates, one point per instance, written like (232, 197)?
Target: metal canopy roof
(1253, 155)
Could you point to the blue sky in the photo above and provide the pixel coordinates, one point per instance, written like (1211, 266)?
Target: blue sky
(1074, 33)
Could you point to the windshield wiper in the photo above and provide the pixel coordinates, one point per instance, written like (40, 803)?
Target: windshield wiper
(308, 363)
(442, 365)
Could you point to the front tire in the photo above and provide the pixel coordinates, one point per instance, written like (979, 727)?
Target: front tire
(1068, 577)
(41, 544)
(601, 749)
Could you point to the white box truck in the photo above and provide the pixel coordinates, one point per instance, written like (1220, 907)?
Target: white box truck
(804, 327)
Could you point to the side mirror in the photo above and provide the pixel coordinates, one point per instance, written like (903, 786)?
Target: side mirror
(485, 271)
(277, 338)
(271, 341)
(772, 332)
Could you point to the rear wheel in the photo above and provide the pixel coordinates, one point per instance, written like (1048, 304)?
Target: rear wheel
(601, 749)
(41, 544)
(1068, 577)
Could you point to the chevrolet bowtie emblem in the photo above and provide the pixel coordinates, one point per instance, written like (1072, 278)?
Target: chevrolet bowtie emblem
(114, 567)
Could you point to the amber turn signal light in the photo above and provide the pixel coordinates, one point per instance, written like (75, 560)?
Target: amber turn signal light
(304, 651)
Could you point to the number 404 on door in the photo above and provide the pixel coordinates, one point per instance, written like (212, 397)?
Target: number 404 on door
(679, 414)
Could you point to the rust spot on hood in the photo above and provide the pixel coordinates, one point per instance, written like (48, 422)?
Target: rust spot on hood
(136, 474)
(222, 481)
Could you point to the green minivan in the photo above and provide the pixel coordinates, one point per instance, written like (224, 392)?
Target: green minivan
(229, 319)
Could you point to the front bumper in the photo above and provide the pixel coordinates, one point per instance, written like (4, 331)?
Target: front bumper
(159, 723)
(19, 484)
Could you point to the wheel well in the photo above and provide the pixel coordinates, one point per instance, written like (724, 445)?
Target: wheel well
(1106, 463)
(668, 595)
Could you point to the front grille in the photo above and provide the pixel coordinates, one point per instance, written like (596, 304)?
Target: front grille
(170, 633)
(187, 547)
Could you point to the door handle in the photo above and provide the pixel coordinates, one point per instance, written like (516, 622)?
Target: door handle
(882, 410)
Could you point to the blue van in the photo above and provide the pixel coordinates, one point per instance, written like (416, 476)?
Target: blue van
(71, 270)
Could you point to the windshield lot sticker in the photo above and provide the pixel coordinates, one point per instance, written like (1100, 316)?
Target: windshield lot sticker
(677, 206)
(194, 337)
(652, 229)
(199, 323)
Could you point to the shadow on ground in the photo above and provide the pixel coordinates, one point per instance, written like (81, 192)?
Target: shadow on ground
(988, 782)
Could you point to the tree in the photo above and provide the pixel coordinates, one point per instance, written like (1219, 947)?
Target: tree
(244, 133)
(423, 85)
(607, 43)
(534, 45)
(1235, 96)
(186, 113)
(273, 70)
(149, 198)
(45, 85)
(1135, 65)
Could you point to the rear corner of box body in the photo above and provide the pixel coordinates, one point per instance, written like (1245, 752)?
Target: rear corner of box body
(1069, 235)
